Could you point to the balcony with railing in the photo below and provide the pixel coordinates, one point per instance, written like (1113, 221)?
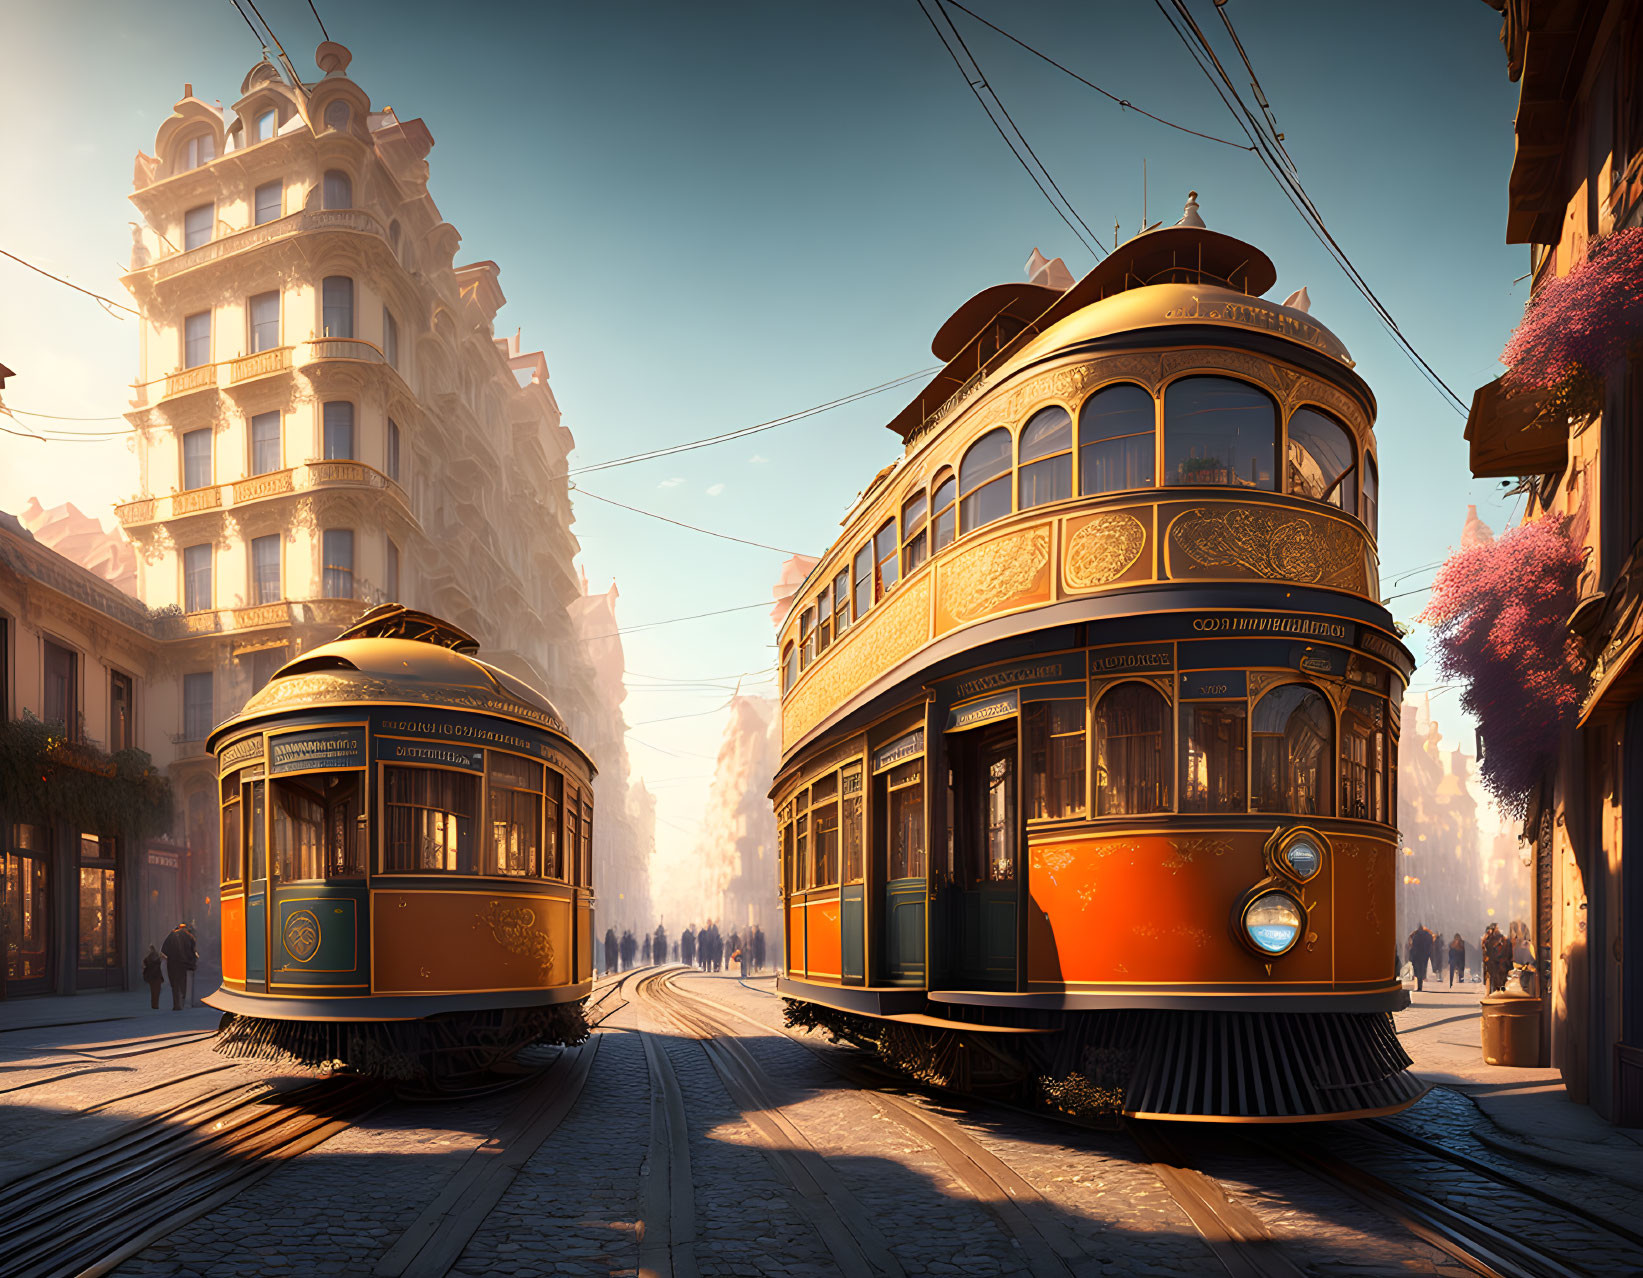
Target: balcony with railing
(320, 349)
(302, 222)
(230, 373)
(310, 476)
(262, 364)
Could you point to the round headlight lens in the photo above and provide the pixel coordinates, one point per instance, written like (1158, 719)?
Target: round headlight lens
(1274, 921)
(1303, 858)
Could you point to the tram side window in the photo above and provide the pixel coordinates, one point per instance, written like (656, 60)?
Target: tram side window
(1046, 461)
(553, 794)
(1293, 732)
(431, 814)
(1055, 759)
(824, 831)
(807, 638)
(906, 791)
(317, 830)
(1213, 756)
(984, 481)
(850, 831)
(1218, 431)
(1363, 758)
(233, 830)
(259, 837)
(915, 537)
(587, 836)
(1371, 493)
(801, 842)
(1132, 751)
(1116, 431)
(944, 511)
(516, 815)
(886, 557)
(573, 830)
(824, 620)
(841, 602)
(1322, 460)
(790, 667)
(789, 880)
(863, 569)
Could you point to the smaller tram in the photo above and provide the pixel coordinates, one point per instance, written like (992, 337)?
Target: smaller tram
(406, 860)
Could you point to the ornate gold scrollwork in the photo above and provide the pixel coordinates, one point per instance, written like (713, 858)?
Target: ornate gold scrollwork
(514, 929)
(987, 576)
(1104, 549)
(1278, 545)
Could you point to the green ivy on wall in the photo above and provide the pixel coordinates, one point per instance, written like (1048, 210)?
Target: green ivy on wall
(47, 778)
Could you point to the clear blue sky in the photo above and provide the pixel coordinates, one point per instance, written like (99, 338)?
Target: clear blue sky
(709, 215)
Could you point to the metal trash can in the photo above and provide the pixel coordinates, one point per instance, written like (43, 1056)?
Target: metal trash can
(1511, 1030)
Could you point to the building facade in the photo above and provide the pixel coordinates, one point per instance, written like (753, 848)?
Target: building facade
(325, 418)
(1575, 196)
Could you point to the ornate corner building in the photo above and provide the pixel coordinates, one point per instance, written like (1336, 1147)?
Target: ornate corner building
(325, 418)
(1575, 443)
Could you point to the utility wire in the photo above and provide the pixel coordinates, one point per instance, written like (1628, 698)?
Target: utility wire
(1267, 152)
(318, 19)
(1020, 159)
(1123, 102)
(105, 302)
(285, 59)
(668, 621)
(255, 34)
(55, 417)
(707, 532)
(1255, 86)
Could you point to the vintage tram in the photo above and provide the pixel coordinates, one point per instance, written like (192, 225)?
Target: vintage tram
(1090, 716)
(406, 860)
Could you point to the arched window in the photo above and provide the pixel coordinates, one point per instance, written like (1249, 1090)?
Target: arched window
(885, 556)
(1046, 463)
(984, 481)
(943, 510)
(790, 666)
(337, 306)
(1363, 758)
(1132, 751)
(1219, 431)
(1371, 493)
(1322, 460)
(337, 116)
(265, 125)
(199, 149)
(1294, 737)
(807, 638)
(915, 537)
(338, 190)
(1116, 429)
(1214, 756)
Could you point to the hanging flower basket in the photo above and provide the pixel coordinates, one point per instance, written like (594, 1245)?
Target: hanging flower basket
(1576, 327)
(1499, 613)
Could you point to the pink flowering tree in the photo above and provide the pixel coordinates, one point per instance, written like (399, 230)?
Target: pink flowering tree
(1576, 326)
(1499, 615)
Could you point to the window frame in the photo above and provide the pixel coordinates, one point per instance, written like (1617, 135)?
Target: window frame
(258, 205)
(206, 233)
(1276, 459)
(1342, 494)
(1040, 784)
(475, 816)
(886, 559)
(915, 531)
(1331, 750)
(1047, 460)
(203, 436)
(336, 189)
(338, 309)
(1006, 476)
(1102, 714)
(1154, 434)
(209, 709)
(192, 340)
(329, 584)
(194, 565)
(946, 477)
(256, 467)
(252, 324)
(121, 737)
(327, 425)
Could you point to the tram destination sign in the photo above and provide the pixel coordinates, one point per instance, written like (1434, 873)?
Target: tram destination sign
(318, 751)
(1292, 625)
(439, 753)
(1136, 658)
(979, 712)
(1056, 669)
(908, 747)
(474, 731)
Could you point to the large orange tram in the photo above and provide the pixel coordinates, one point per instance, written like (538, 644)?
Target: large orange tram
(1090, 716)
(406, 860)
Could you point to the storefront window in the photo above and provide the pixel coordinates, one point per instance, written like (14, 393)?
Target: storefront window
(26, 904)
(1132, 751)
(906, 790)
(99, 918)
(1294, 739)
(431, 813)
(1213, 756)
(1055, 759)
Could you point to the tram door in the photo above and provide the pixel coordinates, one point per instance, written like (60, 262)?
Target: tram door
(899, 799)
(256, 889)
(985, 815)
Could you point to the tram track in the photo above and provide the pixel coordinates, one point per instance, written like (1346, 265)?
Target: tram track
(86, 1214)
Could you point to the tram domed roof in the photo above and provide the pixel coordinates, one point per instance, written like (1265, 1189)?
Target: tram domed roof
(373, 663)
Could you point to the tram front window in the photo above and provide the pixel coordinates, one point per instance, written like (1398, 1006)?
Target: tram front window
(1046, 473)
(516, 815)
(1132, 751)
(984, 481)
(1218, 431)
(317, 831)
(1116, 428)
(1294, 737)
(430, 816)
(233, 830)
(1213, 754)
(824, 830)
(1322, 460)
(906, 790)
(1055, 759)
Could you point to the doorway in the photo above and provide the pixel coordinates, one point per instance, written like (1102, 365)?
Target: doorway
(986, 815)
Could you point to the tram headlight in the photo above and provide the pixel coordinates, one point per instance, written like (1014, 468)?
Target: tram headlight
(1297, 853)
(1273, 922)
(1303, 857)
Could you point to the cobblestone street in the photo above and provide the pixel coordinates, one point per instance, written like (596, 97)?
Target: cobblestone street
(788, 1167)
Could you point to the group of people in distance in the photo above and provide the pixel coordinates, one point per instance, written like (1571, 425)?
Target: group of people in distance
(706, 948)
(1496, 947)
(178, 955)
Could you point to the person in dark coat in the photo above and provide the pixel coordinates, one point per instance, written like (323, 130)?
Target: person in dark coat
(630, 948)
(181, 957)
(1457, 960)
(151, 976)
(758, 949)
(658, 949)
(612, 958)
(646, 950)
(687, 948)
(1497, 958)
(1420, 951)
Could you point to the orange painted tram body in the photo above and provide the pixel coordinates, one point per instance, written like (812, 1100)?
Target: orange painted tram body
(406, 860)
(1090, 717)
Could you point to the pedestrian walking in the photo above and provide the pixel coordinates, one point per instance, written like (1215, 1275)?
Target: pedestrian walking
(1497, 958)
(1457, 960)
(152, 977)
(1420, 950)
(612, 958)
(181, 957)
(758, 949)
(658, 947)
(647, 949)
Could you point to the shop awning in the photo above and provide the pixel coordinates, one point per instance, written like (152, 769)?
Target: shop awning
(1509, 438)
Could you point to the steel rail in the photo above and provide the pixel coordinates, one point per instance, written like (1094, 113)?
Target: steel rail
(667, 1225)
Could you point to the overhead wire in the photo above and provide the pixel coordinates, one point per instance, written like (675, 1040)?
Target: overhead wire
(1289, 183)
(1020, 159)
(285, 59)
(1125, 103)
(668, 621)
(105, 302)
(679, 523)
(318, 19)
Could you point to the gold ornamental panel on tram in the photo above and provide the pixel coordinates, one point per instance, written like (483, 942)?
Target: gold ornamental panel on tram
(406, 859)
(1089, 716)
